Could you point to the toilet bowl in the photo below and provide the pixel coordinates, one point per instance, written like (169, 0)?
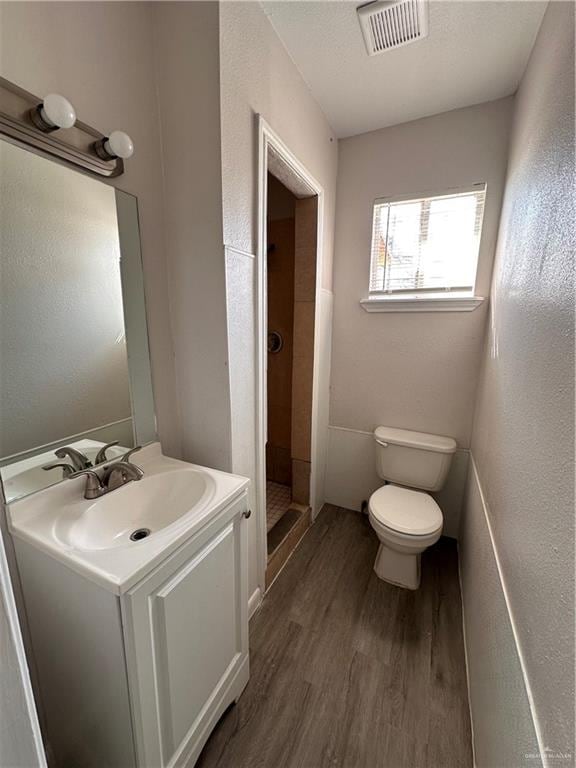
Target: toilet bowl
(406, 522)
(406, 519)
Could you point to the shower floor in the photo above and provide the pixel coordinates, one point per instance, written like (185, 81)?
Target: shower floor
(278, 498)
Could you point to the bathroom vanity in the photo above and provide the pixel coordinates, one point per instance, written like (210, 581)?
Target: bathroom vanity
(140, 645)
(132, 590)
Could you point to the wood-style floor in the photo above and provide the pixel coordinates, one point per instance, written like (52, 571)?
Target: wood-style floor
(348, 671)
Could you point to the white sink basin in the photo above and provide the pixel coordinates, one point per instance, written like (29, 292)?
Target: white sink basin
(144, 506)
(173, 501)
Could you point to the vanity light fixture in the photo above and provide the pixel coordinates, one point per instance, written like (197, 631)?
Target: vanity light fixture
(53, 113)
(35, 122)
(118, 144)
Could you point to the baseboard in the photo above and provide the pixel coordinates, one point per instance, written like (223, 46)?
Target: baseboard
(254, 602)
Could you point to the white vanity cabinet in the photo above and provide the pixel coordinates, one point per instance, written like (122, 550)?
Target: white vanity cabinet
(137, 674)
(186, 635)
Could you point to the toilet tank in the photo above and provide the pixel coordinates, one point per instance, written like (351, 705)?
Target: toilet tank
(414, 459)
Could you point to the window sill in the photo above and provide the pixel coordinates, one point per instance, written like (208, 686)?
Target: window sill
(430, 303)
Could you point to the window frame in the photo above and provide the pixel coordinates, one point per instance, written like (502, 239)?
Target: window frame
(449, 299)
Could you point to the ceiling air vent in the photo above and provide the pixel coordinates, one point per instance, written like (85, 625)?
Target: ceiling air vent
(390, 24)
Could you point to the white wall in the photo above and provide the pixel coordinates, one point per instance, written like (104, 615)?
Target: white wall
(100, 56)
(123, 89)
(414, 371)
(503, 731)
(258, 76)
(240, 294)
(323, 364)
(523, 440)
(188, 87)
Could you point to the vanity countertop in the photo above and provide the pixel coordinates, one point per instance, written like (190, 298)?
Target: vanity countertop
(174, 500)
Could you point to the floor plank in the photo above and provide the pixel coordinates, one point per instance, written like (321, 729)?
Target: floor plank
(348, 671)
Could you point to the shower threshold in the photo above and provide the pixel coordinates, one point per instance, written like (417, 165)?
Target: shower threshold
(284, 537)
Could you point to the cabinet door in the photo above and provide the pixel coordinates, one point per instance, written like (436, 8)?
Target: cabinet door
(186, 628)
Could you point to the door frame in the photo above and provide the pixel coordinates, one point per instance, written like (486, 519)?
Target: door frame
(297, 178)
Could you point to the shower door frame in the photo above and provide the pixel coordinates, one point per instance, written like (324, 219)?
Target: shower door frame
(302, 184)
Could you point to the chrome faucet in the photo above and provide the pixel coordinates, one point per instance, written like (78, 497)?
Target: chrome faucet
(120, 473)
(77, 459)
(114, 476)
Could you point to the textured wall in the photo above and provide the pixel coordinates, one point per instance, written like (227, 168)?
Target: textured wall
(258, 76)
(414, 371)
(523, 442)
(187, 61)
(240, 288)
(63, 363)
(100, 56)
(503, 729)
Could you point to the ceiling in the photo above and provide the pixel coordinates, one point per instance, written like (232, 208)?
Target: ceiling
(476, 51)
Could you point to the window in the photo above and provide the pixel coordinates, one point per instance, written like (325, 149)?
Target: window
(426, 245)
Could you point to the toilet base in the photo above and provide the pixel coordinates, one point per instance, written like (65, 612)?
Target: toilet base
(398, 568)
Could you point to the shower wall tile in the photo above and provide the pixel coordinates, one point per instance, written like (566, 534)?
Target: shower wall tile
(305, 249)
(301, 481)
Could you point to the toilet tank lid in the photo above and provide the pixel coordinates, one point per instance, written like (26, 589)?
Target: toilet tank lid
(420, 440)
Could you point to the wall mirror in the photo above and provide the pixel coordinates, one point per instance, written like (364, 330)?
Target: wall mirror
(74, 360)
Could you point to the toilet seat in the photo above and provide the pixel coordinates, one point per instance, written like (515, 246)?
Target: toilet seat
(406, 511)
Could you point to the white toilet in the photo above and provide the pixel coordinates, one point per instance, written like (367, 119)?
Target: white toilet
(407, 521)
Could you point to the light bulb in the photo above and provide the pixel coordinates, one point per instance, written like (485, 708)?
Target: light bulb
(56, 112)
(119, 144)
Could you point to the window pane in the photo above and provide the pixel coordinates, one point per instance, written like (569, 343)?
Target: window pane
(426, 244)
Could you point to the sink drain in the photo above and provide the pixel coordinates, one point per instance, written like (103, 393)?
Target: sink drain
(140, 533)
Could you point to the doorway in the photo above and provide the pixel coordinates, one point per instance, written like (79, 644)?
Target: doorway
(298, 458)
(291, 302)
